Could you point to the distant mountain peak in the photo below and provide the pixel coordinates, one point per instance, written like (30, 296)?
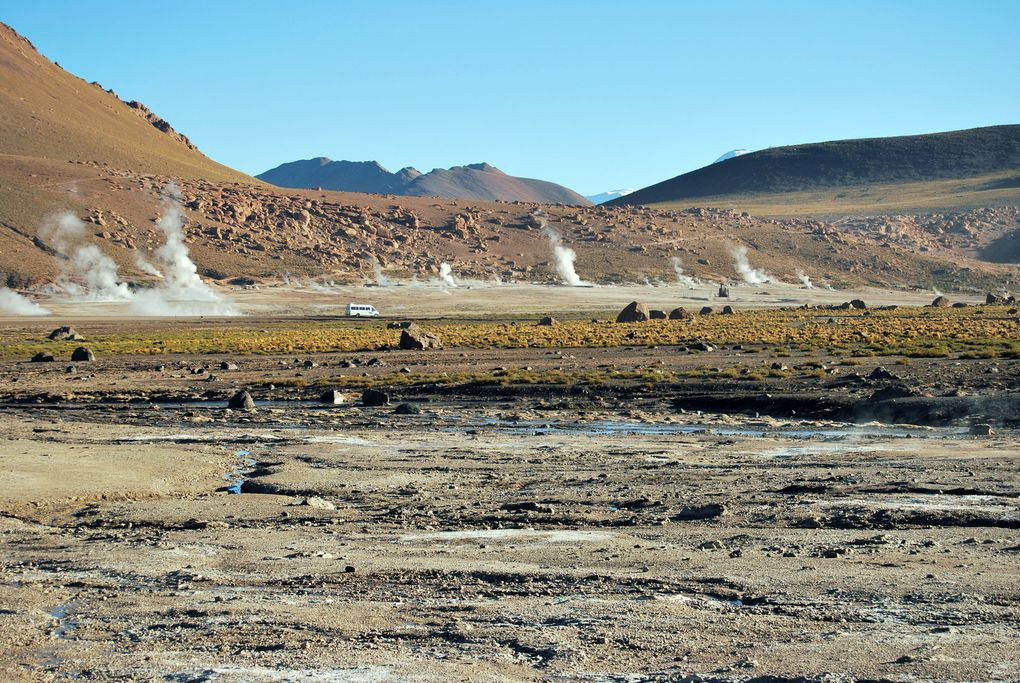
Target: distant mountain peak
(480, 181)
(603, 197)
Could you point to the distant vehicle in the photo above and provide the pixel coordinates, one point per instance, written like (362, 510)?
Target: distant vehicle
(362, 310)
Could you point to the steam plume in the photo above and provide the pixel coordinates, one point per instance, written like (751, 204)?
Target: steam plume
(681, 278)
(88, 274)
(13, 303)
(446, 275)
(182, 291)
(805, 280)
(752, 276)
(380, 279)
(564, 258)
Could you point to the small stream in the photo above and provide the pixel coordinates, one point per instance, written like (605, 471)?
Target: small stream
(237, 476)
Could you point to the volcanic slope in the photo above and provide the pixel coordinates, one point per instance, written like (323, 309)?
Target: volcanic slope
(474, 181)
(952, 171)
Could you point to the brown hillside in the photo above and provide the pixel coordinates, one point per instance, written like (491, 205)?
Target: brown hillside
(45, 112)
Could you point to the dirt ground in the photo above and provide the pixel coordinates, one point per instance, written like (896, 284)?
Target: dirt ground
(148, 532)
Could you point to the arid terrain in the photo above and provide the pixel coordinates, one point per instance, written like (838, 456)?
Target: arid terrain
(565, 502)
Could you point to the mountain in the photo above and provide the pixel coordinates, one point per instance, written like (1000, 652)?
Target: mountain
(942, 171)
(732, 154)
(603, 197)
(45, 112)
(474, 181)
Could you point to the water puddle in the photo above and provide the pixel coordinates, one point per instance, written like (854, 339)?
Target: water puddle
(237, 476)
(64, 614)
(536, 536)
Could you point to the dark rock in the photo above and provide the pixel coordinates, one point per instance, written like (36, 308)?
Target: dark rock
(701, 346)
(82, 355)
(691, 513)
(680, 313)
(242, 400)
(407, 409)
(374, 398)
(724, 291)
(634, 312)
(981, 430)
(227, 365)
(528, 506)
(331, 397)
(993, 299)
(413, 337)
(882, 373)
(960, 304)
(398, 325)
(706, 310)
(310, 364)
(43, 357)
(895, 391)
(728, 310)
(939, 302)
(656, 314)
(548, 321)
(65, 334)
(858, 304)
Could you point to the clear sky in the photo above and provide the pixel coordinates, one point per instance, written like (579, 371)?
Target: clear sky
(594, 95)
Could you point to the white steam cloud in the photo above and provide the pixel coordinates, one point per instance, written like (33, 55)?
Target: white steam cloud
(380, 279)
(13, 303)
(446, 278)
(563, 257)
(752, 276)
(183, 291)
(805, 280)
(90, 275)
(683, 279)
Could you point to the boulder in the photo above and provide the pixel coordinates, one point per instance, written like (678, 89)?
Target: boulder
(634, 312)
(981, 429)
(413, 337)
(656, 314)
(727, 310)
(373, 398)
(242, 400)
(548, 321)
(858, 304)
(939, 302)
(724, 291)
(43, 357)
(407, 409)
(706, 310)
(331, 397)
(82, 355)
(65, 334)
(227, 365)
(993, 299)
(680, 313)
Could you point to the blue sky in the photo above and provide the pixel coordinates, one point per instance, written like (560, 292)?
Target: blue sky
(594, 95)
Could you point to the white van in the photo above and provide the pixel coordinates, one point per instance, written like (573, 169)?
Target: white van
(362, 310)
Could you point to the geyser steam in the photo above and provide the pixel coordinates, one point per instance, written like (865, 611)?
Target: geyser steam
(563, 258)
(683, 279)
(182, 291)
(13, 303)
(88, 274)
(446, 275)
(805, 280)
(751, 276)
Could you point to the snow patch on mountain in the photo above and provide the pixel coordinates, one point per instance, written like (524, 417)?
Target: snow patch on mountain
(603, 197)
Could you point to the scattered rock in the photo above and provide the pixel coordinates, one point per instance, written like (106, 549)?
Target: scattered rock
(882, 373)
(413, 337)
(65, 334)
(634, 312)
(374, 398)
(706, 310)
(939, 302)
(331, 397)
(43, 357)
(242, 400)
(981, 430)
(858, 304)
(695, 512)
(407, 409)
(527, 506)
(548, 321)
(728, 310)
(227, 365)
(82, 355)
(318, 503)
(656, 314)
(680, 313)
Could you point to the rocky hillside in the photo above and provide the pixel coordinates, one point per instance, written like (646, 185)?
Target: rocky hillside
(474, 181)
(960, 169)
